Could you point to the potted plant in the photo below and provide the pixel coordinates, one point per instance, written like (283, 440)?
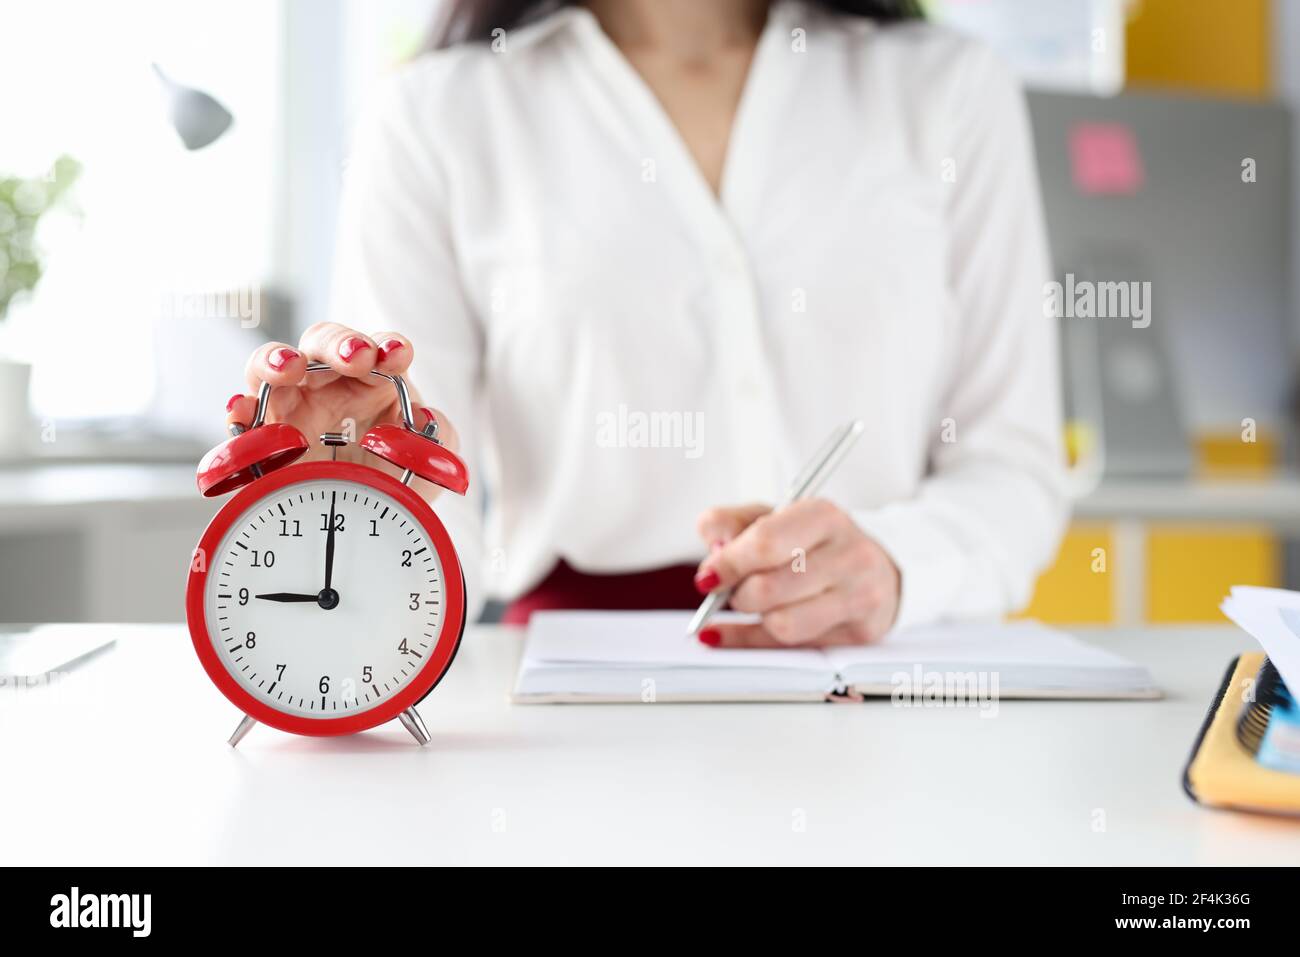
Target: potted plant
(22, 204)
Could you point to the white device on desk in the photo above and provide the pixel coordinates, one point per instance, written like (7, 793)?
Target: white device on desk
(35, 653)
(368, 644)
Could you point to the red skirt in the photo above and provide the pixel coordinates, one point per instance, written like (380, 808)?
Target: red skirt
(567, 588)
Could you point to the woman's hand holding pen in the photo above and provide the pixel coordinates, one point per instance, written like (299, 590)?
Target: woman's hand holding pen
(807, 569)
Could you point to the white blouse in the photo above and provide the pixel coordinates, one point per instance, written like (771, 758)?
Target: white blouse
(620, 349)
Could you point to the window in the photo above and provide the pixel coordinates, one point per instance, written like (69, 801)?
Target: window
(134, 313)
(157, 224)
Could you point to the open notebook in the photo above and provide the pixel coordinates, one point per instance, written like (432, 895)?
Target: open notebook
(596, 656)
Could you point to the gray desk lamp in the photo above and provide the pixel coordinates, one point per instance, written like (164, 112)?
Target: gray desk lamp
(199, 119)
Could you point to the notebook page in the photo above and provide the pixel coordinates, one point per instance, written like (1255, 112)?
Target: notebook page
(640, 639)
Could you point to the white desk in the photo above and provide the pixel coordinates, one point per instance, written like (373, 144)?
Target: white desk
(1273, 501)
(124, 761)
(107, 532)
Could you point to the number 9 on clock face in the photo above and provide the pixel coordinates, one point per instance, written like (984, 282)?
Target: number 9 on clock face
(330, 601)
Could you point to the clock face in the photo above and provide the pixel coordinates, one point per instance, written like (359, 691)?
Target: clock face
(321, 629)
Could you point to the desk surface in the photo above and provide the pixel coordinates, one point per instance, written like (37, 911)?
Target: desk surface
(124, 761)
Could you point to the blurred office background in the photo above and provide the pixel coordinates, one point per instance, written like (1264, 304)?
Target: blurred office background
(169, 174)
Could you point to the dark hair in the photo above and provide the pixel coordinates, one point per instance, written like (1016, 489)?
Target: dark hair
(472, 21)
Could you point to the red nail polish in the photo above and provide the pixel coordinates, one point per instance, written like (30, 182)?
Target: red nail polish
(711, 637)
(706, 581)
(233, 399)
(351, 346)
(278, 359)
(389, 347)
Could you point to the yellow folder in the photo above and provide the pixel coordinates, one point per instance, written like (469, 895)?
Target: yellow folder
(1221, 772)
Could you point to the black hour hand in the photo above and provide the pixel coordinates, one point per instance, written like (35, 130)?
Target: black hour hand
(287, 596)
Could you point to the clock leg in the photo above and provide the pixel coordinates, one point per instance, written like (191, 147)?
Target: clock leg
(245, 726)
(413, 723)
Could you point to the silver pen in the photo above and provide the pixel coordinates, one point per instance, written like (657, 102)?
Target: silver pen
(805, 485)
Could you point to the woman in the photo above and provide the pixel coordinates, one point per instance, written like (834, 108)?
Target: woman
(650, 252)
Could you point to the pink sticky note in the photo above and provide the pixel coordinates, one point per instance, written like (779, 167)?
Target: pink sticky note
(1105, 159)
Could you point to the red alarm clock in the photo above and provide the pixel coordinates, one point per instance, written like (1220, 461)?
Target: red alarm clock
(326, 597)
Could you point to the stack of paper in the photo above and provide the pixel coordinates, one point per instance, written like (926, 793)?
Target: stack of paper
(1272, 617)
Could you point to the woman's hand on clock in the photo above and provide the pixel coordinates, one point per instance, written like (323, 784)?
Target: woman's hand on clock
(808, 570)
(348, 399)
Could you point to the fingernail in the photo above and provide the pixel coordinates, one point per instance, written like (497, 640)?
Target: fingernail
(233, 399)
(711, 637)
(706, 581)
(388, 348)
(278, 359)
(351, 346)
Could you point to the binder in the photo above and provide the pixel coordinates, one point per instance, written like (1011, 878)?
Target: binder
(1223, 770)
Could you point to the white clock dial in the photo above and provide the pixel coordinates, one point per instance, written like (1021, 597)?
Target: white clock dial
(318, 649)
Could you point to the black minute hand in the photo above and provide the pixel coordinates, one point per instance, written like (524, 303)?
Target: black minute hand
(286, 596)
(329, 546)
